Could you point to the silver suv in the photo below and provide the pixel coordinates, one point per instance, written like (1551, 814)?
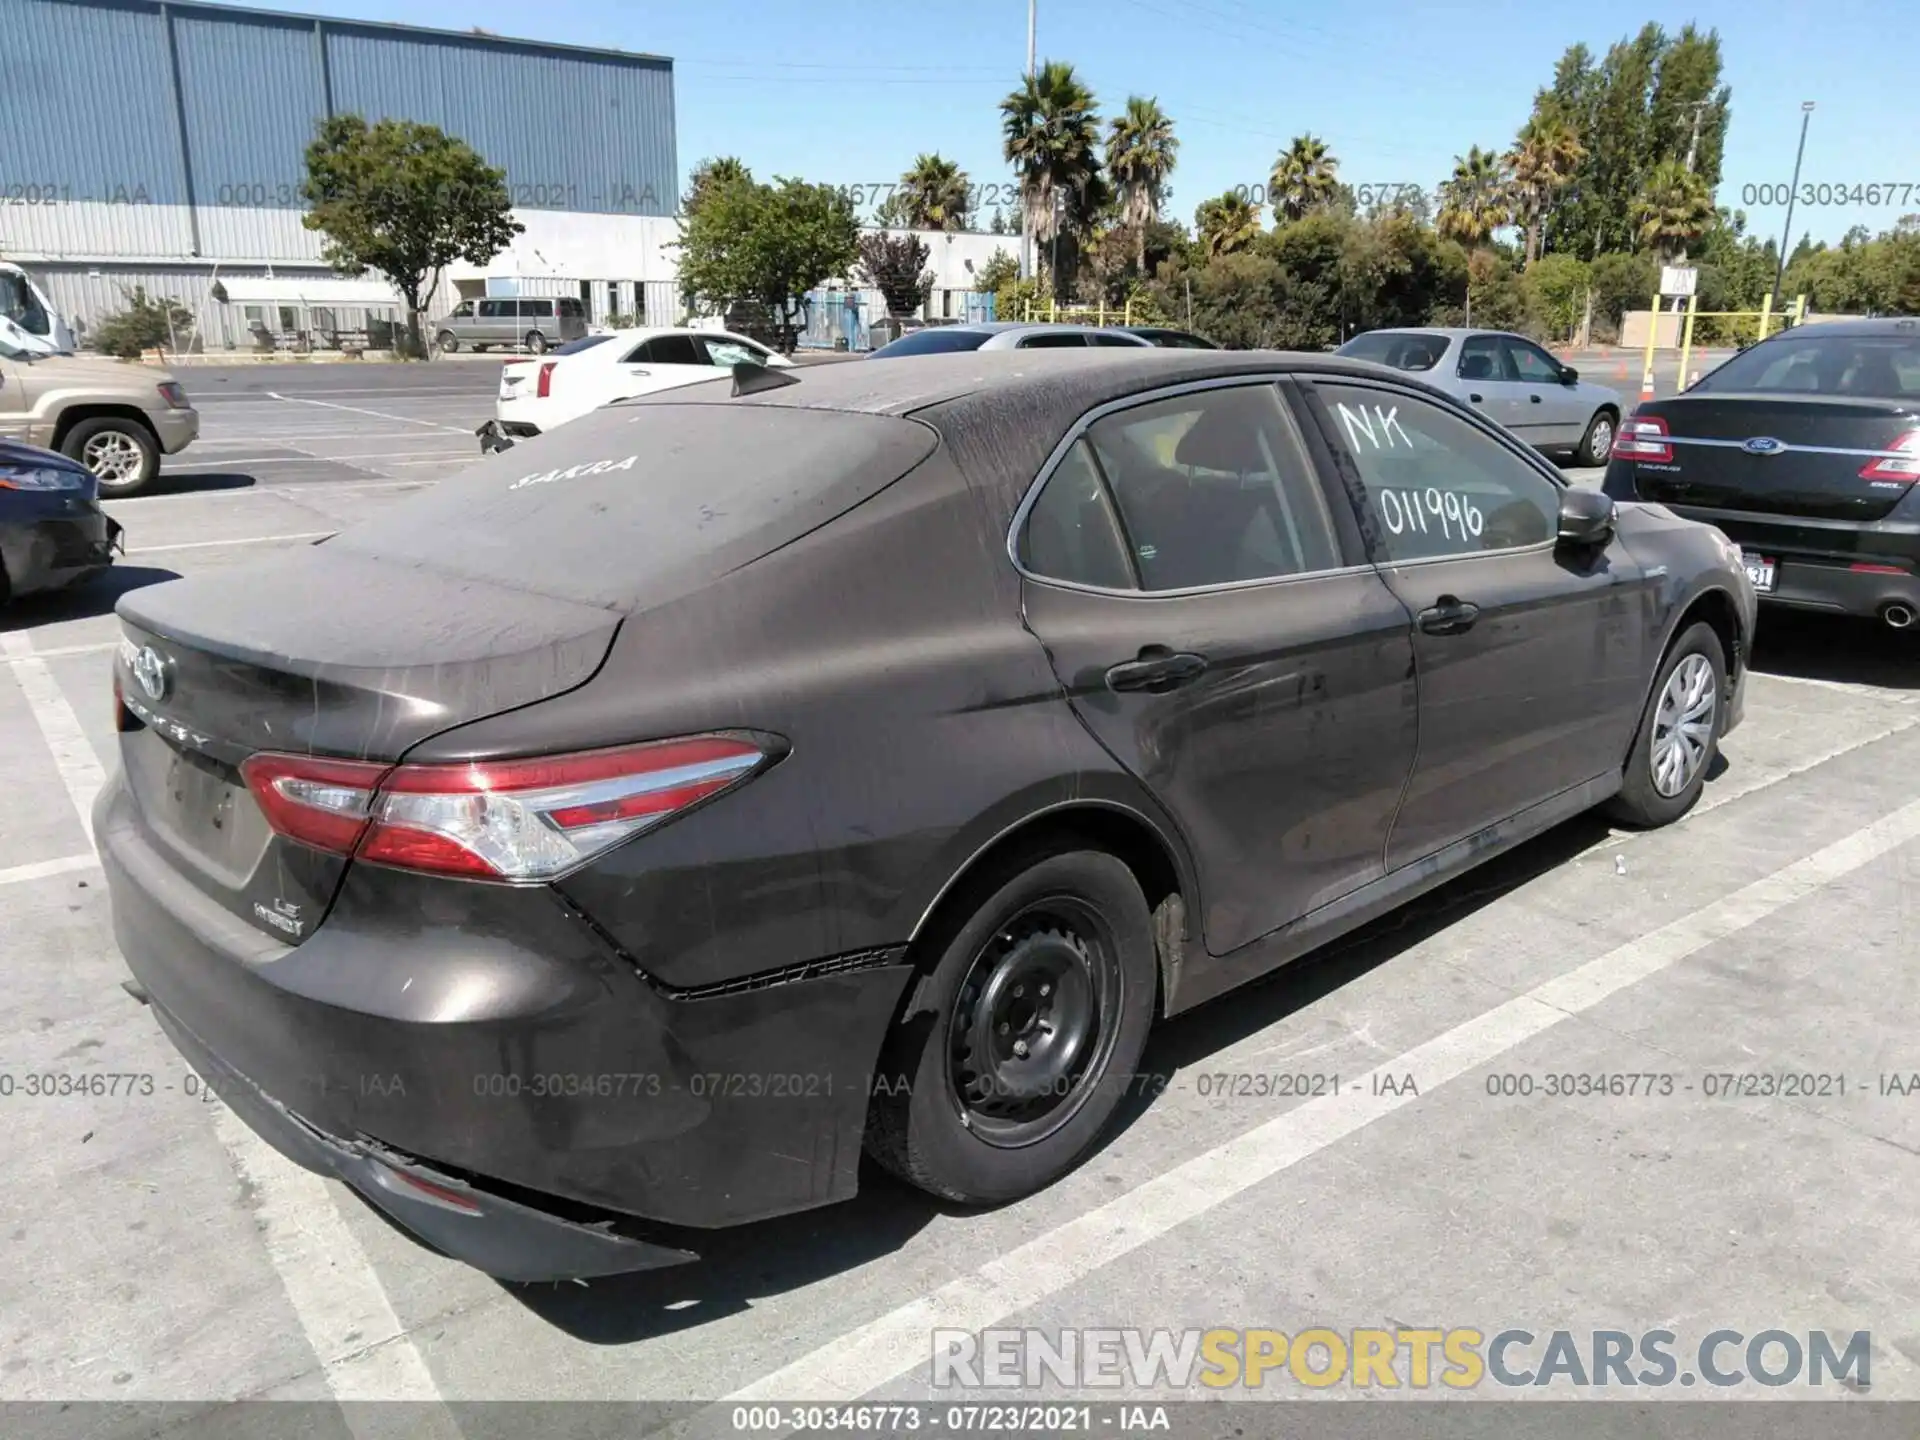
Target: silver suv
(533, 323)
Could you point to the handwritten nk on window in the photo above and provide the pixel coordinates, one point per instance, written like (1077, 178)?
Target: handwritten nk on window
(1404, 510)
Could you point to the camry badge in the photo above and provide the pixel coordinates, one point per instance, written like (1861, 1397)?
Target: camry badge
(1764, 445)
(150, 669)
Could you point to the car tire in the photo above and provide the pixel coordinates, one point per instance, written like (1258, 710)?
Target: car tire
(536, 343)
(121, 453)
(1666, 771)
(1075, 916)
(1596, 446)
(448, 342)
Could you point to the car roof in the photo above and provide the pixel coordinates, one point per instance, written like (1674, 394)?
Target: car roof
(1074, 380)
(1840, 329)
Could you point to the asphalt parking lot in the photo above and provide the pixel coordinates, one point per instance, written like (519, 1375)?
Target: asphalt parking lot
(157, 1254)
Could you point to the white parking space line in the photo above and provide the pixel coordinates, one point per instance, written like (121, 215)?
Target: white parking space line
(54, 652)
(1851, 687)
(859, 1362)
(329, 1282)
(40, 870)
(221, 544)
(377, 414)
(73, 753)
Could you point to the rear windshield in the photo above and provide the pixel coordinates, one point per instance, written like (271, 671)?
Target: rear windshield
(938, 340)
(637, 502)
(1402, 352)
(1880, 367)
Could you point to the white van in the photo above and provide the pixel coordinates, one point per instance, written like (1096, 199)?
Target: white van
(33, 322)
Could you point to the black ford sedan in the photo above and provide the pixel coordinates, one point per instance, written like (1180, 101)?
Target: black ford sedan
(615, 841)
(1805, 449)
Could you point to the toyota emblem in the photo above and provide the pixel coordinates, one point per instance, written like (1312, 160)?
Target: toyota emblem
(1764, 445)
(150, 669)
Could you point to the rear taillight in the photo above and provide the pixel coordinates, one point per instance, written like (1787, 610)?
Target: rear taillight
(1900, 460)
(545, 387)
(322, 803)
(500, 820)
(1642, 437)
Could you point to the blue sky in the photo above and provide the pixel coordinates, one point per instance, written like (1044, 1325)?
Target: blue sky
(848, 91)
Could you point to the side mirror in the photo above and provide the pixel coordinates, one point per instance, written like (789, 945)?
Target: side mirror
(1569, 375)
(1586, 517)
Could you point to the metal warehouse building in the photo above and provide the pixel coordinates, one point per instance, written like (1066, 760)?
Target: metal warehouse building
(149, 143)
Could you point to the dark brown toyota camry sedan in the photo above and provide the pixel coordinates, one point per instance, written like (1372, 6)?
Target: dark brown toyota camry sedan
(615, 841)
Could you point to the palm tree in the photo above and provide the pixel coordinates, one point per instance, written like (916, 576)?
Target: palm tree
(1305, 174)
(937, 194)
(1672, 210)
(1543, 160)
(1475, 201)
(1227, 224)
(1052, 131)
(1140, 153)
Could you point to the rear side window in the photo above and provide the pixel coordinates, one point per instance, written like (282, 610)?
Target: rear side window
(1402, 352)
(668, 350)
(1215, 488)
(1053, 340)
(936, 340)
(536, 309)
(1071, 533)
(1125, 342)
(572, 309)
(1878, 367)
(495, 309)
(1480, 358)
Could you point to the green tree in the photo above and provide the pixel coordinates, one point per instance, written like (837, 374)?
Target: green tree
(896, 266)
(937, 194)
(1476, 200)
(1621, 282)
(1051, 130)
(713, 174)
(148, 323)
(1557, 288)
(1672, 210)
(1140, 156)
(766, 245)
(1544, 159)
(1227, 223)
(999, 269)
(405, 200)
(895, 211)
(1305, 174)
(1689, 108)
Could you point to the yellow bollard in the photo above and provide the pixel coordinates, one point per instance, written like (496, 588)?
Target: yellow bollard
(1686, 345)
(1653, 330)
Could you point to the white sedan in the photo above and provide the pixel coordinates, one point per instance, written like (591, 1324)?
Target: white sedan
(537, 395)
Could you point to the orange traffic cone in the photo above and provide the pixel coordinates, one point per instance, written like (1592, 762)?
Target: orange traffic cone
(1646, 386)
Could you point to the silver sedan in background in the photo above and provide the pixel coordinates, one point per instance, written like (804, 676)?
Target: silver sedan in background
(1508, 379)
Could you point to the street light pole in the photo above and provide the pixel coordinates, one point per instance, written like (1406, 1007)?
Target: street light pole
(1779, 270)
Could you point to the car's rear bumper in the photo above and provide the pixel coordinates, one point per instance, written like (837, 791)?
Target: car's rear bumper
(486, 1040)
(1850, 567)
(176, 429)
(46, 552)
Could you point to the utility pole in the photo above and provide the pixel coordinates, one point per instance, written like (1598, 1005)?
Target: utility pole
(1026, 210)
(1693, 145)
(1779, 270)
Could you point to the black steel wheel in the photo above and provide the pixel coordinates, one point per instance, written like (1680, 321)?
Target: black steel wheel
(1033, 1018)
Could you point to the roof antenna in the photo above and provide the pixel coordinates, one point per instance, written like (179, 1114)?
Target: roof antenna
(750, 378)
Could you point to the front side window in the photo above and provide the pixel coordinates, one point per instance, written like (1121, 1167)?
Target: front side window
(1214, 488)
(1435, 484)
(1530, 364)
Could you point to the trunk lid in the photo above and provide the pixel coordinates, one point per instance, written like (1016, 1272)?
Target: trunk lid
(499, 587)
(328, 653)
(1777, 454)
